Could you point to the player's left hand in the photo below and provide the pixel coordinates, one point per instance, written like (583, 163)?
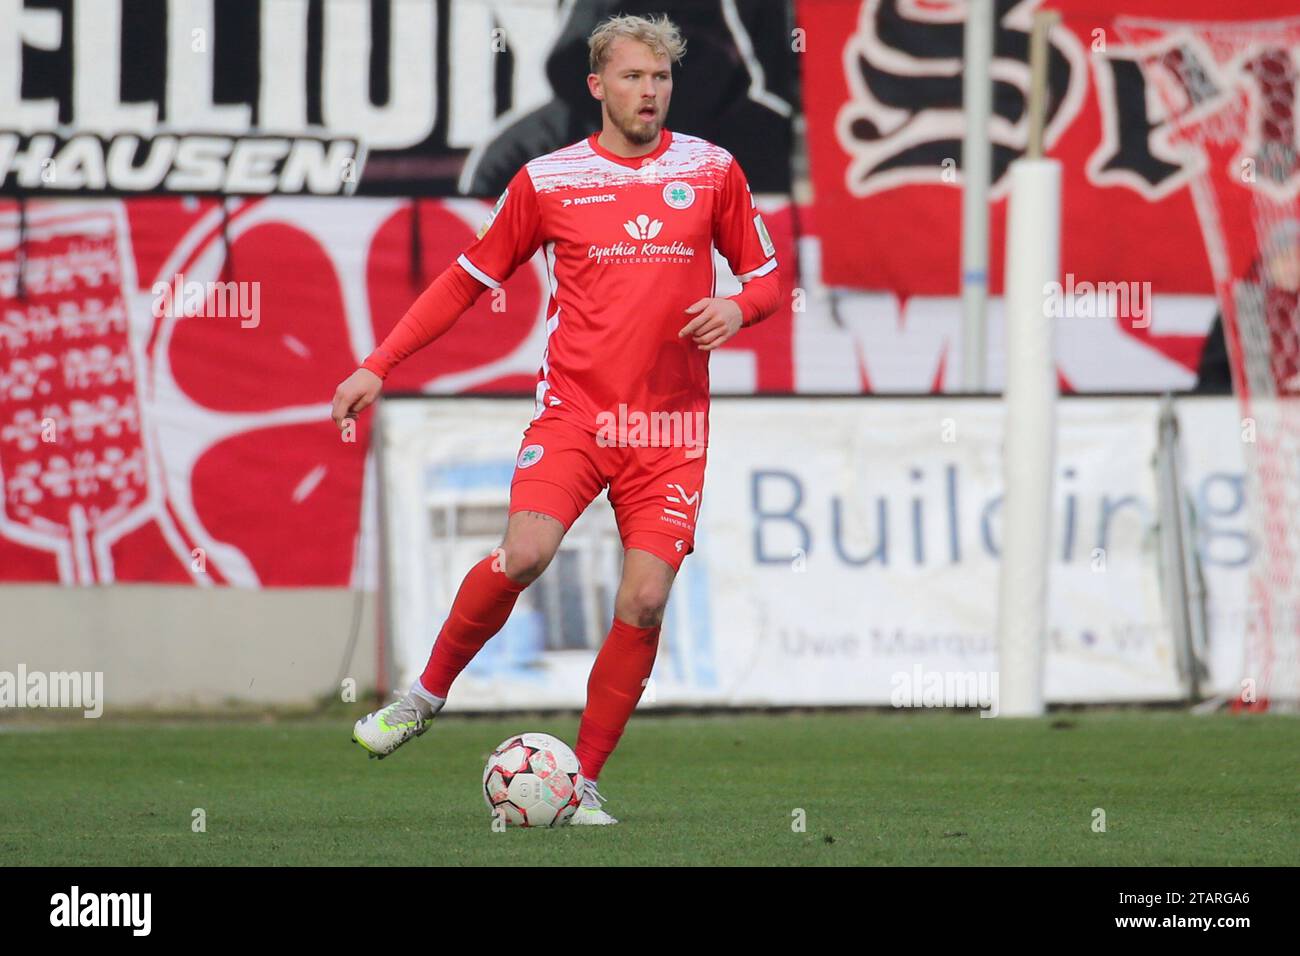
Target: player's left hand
(717, 321)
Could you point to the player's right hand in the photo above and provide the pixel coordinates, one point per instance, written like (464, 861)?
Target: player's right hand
(354, 394)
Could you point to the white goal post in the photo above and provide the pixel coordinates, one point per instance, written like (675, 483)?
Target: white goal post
(1029, 443)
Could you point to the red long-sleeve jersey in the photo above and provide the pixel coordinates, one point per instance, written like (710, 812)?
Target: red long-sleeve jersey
(628, 244)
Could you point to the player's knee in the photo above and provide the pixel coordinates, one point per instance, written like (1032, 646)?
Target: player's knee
(643, 605)
(525, 561)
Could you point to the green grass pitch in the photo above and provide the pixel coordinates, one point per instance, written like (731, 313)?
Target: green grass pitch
(918, 788)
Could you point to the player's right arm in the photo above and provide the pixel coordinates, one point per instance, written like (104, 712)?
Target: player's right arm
(508, 239)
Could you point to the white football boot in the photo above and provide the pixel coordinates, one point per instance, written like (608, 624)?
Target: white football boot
(389, 727)
(591, 814)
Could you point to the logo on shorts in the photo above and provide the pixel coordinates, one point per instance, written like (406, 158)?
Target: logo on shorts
(679, 544)
(682, 500)
(530, 456)
(679, 195)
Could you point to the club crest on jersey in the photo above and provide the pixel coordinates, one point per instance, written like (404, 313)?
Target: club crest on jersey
(679, 195)
(501, 201)
(530, 456)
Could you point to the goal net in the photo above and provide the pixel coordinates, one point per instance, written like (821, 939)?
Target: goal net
(1228, 91)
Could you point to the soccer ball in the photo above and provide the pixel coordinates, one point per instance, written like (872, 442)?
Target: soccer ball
(532, 780)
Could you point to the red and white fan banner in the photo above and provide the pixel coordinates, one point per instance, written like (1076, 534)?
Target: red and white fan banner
(166, 368)
(885, 127)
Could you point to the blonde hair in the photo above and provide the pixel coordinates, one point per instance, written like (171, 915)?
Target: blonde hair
(660, 35)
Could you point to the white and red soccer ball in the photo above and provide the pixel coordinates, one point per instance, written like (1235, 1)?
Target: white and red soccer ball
(533, 780)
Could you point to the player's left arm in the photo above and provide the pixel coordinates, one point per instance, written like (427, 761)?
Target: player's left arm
(741, 237)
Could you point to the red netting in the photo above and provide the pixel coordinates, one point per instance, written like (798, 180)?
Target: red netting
(1229, 93)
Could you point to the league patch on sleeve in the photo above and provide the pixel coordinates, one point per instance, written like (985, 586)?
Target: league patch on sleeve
(501, 201)
(769, 249)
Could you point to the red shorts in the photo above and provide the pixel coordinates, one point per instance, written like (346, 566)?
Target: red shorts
(655, 491)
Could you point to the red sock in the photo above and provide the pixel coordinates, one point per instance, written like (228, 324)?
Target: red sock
(482, 605)
(617, 679)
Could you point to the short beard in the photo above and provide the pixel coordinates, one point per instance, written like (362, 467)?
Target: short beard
(635, 134)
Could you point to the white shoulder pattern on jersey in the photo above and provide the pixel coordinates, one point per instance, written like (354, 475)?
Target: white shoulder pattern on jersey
(578, 166)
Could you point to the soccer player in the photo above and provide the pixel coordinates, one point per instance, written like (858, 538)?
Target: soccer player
(628, 219)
